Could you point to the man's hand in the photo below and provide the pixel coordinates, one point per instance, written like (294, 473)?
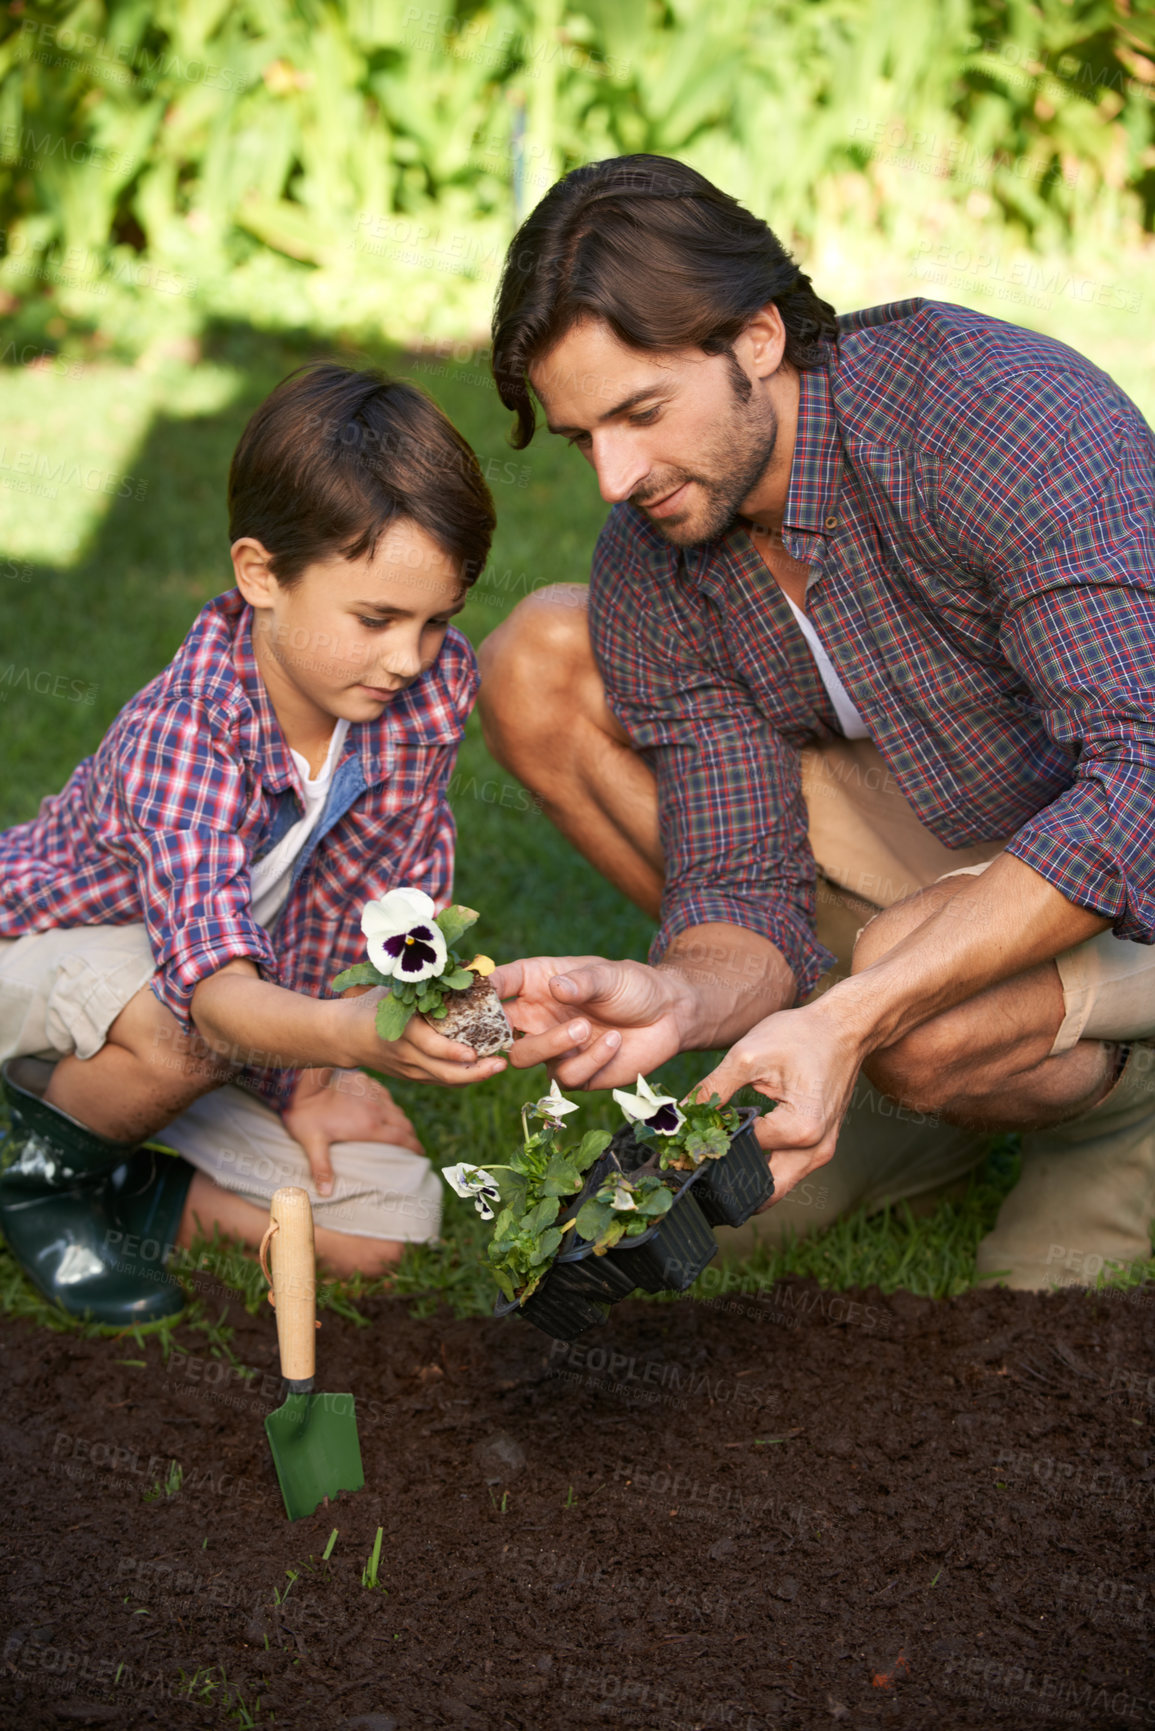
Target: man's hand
(595, 1023)
(805, 1061)
(343, 1106)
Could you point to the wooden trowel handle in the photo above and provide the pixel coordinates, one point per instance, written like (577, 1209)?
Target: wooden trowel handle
(294, 1271)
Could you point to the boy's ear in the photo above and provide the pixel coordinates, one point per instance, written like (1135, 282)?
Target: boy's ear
(251, 568)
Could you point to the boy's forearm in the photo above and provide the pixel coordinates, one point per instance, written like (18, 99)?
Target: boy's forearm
(251, 1021)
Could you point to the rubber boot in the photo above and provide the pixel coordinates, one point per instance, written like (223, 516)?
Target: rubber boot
(89, 1221)
(1085, 1201)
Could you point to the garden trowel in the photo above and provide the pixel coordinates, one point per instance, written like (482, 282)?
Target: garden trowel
(313, 1436)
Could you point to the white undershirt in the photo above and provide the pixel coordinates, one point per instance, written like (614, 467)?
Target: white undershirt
(849, 719)
(270, 876)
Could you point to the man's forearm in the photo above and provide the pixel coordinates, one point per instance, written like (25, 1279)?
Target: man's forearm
(251, 1021)
(995, 925)
(732, 978)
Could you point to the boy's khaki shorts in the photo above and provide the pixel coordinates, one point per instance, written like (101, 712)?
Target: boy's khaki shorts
(872, 851)
(61, 991)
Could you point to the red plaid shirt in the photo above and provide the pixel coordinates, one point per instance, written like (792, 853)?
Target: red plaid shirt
(975, 504)
(193, 782)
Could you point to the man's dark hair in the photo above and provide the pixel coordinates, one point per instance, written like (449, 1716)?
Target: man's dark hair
(333, 456)
(662, 255)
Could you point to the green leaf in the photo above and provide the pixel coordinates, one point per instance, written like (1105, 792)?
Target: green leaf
(361, 974)
(392, 1018)
(504, 1282)
(542, 1216)
(562, 1177)
(546, 1246)
(429, 1001)
(504, 1223)
(615, 1230)
(593, 1217)
(439, 1014)
(458, 981)
(455, 920)
(593, 1143)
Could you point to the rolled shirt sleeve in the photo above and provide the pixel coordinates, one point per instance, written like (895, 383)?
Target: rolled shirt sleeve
(180, 814)
(1069, 552)
(731, 812)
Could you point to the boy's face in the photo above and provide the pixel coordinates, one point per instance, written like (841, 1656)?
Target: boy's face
(349, 634)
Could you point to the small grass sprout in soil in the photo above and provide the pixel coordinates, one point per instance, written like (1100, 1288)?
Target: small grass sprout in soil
(369, 1574)
(173, 1480)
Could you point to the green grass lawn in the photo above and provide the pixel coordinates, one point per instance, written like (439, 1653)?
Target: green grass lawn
(101, 572)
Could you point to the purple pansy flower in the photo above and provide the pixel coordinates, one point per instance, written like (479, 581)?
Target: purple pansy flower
(659, 1112)
(403, 939)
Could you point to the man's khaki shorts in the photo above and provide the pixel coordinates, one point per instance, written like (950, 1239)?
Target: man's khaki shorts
(872, 851)
(61, 991)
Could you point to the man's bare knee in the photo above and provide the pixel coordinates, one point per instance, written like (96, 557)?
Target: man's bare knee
(892, 925)
(537, 675)
(917, 1070)
(545, 635)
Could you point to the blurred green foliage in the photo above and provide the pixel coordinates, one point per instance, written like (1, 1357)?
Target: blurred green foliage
(334, 161)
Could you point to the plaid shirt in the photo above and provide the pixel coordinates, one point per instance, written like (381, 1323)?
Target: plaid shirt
(974, 503)
(194, 781)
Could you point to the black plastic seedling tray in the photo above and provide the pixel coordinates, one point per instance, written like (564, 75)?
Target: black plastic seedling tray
(670, 1256)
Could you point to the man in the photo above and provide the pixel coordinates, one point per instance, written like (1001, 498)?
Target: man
(912, 549)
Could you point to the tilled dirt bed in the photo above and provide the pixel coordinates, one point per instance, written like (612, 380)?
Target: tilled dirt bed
(806, 1510)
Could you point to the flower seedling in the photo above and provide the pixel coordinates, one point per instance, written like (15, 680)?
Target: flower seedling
(691, 1131)
(543, 1193)
(412, 952)
(540, 1174)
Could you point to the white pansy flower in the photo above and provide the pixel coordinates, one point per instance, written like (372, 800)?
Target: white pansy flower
(403, 940)
(554, 1105)
(474, 1181)
(658, 1111)
(622, 1199)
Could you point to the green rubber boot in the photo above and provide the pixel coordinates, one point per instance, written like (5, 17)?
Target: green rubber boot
(89, 1221)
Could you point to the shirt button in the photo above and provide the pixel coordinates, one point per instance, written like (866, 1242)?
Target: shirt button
(832, 522)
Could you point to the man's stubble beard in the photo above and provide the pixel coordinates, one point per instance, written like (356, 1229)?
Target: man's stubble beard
(741, 454)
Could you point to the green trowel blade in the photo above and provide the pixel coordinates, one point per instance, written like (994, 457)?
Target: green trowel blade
(315, 1449)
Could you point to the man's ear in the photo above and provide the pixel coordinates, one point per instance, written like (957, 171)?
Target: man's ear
(762, 344)
(252, 571)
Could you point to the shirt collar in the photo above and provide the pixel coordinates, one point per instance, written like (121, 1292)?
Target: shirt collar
(412, 719)
(277, 769)
(812, 496)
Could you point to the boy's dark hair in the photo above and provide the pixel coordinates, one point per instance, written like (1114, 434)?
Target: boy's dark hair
(662, 255)
(333, 456)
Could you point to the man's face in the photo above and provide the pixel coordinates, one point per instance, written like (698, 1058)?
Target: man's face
(669, 432)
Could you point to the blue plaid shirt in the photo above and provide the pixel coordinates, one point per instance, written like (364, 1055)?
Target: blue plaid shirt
(975, 505)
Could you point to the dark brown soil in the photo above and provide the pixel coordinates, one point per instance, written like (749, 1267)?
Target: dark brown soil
(800, 1511)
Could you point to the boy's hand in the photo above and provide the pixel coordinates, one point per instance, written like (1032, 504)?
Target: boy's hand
(343, 1106)
(420, 1055)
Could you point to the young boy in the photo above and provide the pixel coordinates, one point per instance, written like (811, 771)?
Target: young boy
(170, 922)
